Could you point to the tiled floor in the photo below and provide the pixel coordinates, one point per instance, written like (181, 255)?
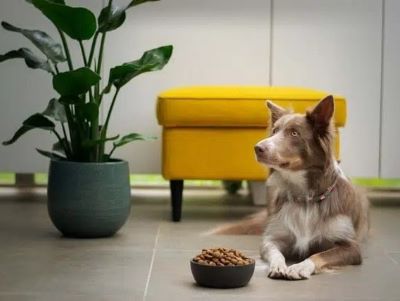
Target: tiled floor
(149, 258)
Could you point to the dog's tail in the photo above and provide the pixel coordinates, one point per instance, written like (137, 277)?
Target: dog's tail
(252, 225)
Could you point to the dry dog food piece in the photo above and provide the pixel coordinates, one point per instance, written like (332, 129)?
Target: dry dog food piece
(222, 257)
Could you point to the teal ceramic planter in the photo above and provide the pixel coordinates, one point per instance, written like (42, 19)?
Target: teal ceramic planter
(88, 200)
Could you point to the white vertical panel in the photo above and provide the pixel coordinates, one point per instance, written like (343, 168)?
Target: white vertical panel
(25, 91)
(216, 42)
(335, 46)
(390, 151)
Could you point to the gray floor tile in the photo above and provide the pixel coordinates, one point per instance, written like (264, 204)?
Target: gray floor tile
(377, 279)
(69, 297)
(193, 237)
(75, 271)
(267, 297)
(385, 227)
(26, 224)
(36, 263)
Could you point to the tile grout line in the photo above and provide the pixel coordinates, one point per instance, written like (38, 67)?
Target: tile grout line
(390, 257)
(151, 263)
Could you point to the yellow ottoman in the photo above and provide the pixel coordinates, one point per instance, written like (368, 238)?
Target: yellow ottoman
(209, 132)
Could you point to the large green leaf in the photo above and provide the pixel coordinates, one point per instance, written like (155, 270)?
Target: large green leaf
(41, 40)
(55, 110)
(39, 121)
(151, 60)
(36, 121)
(77, 22)
(51, 155)
(90, 111)
(130, 138)
(75, 82)
(31, 60)
(59, 145)
(111, 18)
(137, 2)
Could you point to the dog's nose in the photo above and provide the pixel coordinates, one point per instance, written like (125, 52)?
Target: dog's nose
(259, 149)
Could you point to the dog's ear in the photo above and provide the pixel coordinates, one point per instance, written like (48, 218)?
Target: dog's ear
(320, 117)
(276, 111)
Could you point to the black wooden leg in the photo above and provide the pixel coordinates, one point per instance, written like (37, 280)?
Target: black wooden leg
(176, 187)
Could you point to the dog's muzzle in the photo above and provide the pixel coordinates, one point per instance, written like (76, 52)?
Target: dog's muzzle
(260, 150)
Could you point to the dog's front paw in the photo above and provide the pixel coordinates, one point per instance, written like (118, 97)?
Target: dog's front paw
(299, 271)
(277, 270)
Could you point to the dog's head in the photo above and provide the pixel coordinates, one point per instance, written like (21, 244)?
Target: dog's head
(298, 141)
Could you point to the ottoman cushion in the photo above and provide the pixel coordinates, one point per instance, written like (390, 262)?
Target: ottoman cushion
(210, 132)
(235, 106)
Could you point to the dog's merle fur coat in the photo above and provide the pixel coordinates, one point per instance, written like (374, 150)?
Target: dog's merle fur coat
(314, 214)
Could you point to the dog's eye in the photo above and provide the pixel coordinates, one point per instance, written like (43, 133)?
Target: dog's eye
(294, 133)
(275, 130)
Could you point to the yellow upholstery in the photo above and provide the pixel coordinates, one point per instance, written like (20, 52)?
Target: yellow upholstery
(210, 132)
(235, 106)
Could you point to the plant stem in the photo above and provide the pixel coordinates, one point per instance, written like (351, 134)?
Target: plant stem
(100, 60)
(91, 98)
(112, 151)
(100, 148)
(105, 127)
(51, 69)
(100, 98)
(55, 67)
(66, 150)
(99, 63)
(65, 44)
(83, 52)
(91, 55)
(95, 88)
(70, 119)
(103, 38)
(104, 131)
(58, 137)
(94, 130)
(95, 136)
(67, 146)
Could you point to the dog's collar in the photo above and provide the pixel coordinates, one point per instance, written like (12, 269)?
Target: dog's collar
(324, 195)
(328, 191)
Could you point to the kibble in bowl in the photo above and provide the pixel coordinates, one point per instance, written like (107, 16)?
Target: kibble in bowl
(222, 268)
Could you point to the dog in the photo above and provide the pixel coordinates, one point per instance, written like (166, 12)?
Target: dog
(314, 216)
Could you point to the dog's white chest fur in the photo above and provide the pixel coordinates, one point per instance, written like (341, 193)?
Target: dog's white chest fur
(301, 221)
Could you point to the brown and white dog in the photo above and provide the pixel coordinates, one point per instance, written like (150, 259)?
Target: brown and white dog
(314, 216)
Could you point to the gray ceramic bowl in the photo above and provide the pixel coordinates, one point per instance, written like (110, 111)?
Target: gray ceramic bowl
(222, 277)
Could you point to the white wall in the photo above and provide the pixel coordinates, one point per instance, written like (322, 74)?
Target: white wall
(24, 91)
(215, 42)
(331, 45)
(390, 147)
(335, 46)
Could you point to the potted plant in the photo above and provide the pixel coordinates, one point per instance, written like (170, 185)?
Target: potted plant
(88, 189)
